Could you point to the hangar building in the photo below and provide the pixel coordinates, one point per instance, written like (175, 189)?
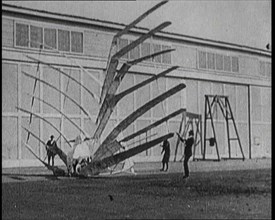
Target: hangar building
(206, 67)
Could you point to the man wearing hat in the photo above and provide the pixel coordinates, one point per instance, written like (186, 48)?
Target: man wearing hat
(51, 149)
(187, 151)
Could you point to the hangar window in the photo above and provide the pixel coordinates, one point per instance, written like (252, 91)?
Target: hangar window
(227, 63)
(121, 44)
(145, 49)
(268, 69)
(134, 53)
(262, 68)
(77, 42)
(211, 61)
(166, 58)
(36, 36)
(32, 36)
(63, 40)
(265, 69)
(219, 62)
(157, 48)
(235, 64)
(202, 59)
(22, 35)
(50, 38)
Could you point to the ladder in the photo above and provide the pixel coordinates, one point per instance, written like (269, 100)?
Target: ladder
(211, 102)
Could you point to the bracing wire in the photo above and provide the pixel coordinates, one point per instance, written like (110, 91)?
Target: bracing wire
(34, 87)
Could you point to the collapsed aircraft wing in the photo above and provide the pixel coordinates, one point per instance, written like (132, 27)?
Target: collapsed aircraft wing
(99, 154)
(111, 101)
(144, 130)
(38, 116)
(111, 68)
(113, 60)
(57, 171)
(56, 109)
(59, 152)
(96, 167)
(118, 78)
(60, 91)
(106, 154)
(65, 74)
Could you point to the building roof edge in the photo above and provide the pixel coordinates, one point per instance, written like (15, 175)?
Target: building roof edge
(116, 25)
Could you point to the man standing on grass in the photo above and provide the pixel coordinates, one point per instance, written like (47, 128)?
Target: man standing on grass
(166, 155)
(51, 148)
(187, 151)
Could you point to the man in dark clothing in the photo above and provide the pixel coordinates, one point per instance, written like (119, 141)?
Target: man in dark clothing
(166, 156)
(187, 151)
(51, 150)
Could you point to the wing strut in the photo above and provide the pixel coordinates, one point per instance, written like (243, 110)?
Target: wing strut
(144, 130)
(111, 101)
(132, 117)
(60, 153)
(83, 132)
(96, 167)
(38, 116)
(112, 65)
(48, 84)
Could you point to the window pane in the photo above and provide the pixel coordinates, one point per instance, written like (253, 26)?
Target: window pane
(9, 142)
(211, 61)
(262, 68)
(145, 49)
(157, 48)
(63, 40)
(9, 87)
(235, 64)
(22, 35)
(50, 38)
(121, 44)
(36, 37)
(77, 42)
(202, 59)
(134, 53)
(268, 69)
(227, 63)
(166, 57)
(219, 62)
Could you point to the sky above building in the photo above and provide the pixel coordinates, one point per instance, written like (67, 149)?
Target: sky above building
(243, 22)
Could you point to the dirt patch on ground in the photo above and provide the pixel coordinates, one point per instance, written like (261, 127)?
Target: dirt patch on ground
(205, 195)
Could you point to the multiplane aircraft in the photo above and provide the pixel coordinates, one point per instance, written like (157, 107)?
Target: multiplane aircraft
(107, 152)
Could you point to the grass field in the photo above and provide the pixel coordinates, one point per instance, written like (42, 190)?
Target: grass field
(243, 194)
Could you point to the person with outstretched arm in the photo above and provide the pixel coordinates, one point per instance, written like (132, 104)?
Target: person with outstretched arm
(187, 151)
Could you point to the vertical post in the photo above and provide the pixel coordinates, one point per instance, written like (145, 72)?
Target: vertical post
(249, 122)
(205, 118)
(213, 129)
(19, 97)
(235, 127)
(200, 130)
(227, 127)
(178, 140)
(196, 135)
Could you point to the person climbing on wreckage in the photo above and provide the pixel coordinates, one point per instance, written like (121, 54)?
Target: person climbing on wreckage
(79, 156)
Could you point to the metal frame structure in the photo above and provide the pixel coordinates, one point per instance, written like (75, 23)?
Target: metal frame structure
(211, 102)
